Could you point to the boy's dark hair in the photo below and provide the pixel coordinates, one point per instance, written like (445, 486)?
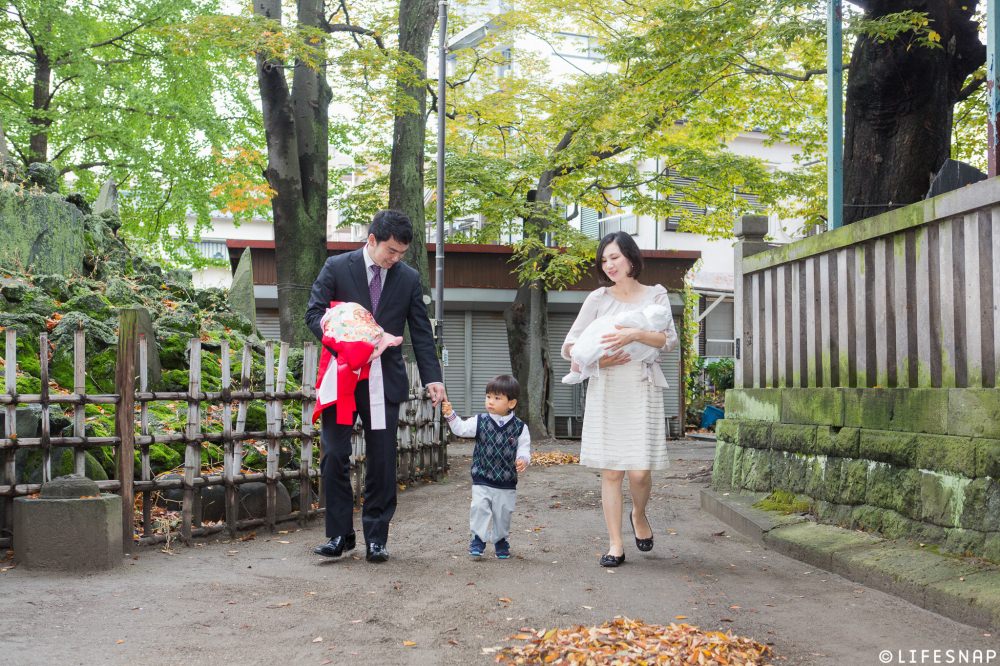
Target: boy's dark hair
(388, 224)
(504, 385)
(629, 249)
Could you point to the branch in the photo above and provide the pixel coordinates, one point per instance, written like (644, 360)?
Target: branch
(83, 166)
(24, 26)
(4, 153)
(55, 88)
(71, 145)
(358, 30)
(67, 57)
(967, 92)
(754, 68)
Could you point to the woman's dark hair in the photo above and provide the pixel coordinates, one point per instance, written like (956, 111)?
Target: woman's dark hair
(504, 385)
(630, 251)
(391, 224)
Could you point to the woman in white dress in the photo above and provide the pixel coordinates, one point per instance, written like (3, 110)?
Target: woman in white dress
(624, 430)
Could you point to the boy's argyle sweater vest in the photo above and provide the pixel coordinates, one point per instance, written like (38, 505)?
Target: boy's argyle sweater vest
(495, 454)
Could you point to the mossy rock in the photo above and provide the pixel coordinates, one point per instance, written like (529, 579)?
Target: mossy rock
(93, 305)
(44, 175)
(234, 321)
(785, 502)
(56, 286)
(174, 380)
(98, 335)
(173, 350)
(212, 299)
(163, 457)
(24, 323)
(176, 322)
(121, 293)
(29, 465)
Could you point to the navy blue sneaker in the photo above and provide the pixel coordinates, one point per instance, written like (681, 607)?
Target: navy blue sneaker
(476, 546)
(502, 548)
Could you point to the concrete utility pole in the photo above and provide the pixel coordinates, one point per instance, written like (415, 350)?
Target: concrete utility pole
(835, 115)
(992, 87)
(439, 244)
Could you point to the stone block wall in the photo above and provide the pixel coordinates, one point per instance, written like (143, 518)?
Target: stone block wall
(911, 463)
(41, 231)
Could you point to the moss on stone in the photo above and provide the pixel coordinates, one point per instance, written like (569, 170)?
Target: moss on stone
(897, 448)
(793, 438)
(839, 442)
(784, 502)
(813, 406)
(945, 453)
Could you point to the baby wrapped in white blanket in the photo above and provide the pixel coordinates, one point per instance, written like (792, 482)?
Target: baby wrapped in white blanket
(588, 349)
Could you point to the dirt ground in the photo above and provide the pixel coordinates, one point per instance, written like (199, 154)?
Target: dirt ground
(269, 599)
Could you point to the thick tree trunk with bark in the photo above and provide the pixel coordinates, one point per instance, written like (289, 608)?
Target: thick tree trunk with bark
(527, 321)
(406, 170)
(38, 147)
(900, 99)
(295, 123)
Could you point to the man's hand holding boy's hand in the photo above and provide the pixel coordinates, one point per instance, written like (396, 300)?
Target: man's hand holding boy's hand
(446, 408)
(521, 464)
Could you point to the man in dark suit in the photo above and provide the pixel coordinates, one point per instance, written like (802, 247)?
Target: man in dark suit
(376, 277)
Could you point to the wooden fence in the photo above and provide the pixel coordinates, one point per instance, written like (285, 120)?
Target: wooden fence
(421, 445)
(905, 299)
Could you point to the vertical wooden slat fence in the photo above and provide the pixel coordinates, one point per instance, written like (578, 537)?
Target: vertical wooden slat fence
(907, 299)
(421, 450)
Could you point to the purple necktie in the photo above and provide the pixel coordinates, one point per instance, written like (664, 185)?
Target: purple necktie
(375, 286)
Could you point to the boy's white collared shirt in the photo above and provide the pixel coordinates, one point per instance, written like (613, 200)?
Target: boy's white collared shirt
(467, 428)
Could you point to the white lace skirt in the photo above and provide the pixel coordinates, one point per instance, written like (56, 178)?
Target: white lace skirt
(624, 426)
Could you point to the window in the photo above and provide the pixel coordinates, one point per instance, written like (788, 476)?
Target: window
(506, 63)
(577, 46)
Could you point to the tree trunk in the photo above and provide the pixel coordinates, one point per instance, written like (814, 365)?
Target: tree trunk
(406, 170)
(900, 99)
(527, 321)
(295, 124)
(38, 149)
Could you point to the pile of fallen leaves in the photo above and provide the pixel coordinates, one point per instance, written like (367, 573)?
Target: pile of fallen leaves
(625, 641)
(554, 458)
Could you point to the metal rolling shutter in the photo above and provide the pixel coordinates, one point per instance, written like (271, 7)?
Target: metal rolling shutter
(268, 324)
(564, 397)
(671, 365)
(454, 372)
(490, 354)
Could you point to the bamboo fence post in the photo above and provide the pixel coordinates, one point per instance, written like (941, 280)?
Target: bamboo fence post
(279, 416)
(147, 468)
(192, 453)
(246, 365)
(229, 459)
(80, 389)
(306, 449)
(271, 470)
(43, 361)
(10, 422)
(125, 418)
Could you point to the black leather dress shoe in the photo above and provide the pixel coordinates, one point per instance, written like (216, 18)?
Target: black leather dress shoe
(377, 553)
(610, 560)
(336, 546)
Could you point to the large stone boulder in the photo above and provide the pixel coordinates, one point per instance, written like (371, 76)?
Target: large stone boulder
(41, 232)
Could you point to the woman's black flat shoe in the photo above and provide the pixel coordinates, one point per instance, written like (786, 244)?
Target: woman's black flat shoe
(610, 560)
(645, 545)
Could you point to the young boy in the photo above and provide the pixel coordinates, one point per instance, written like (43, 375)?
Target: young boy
(503, 448)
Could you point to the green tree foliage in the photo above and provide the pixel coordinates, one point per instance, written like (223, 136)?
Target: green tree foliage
(115, 88)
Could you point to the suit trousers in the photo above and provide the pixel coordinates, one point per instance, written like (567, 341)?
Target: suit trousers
(380, 471)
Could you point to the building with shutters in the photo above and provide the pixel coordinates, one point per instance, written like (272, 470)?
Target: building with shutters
(479, 286)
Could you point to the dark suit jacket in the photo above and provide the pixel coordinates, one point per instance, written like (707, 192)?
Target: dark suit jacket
(344, 278)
